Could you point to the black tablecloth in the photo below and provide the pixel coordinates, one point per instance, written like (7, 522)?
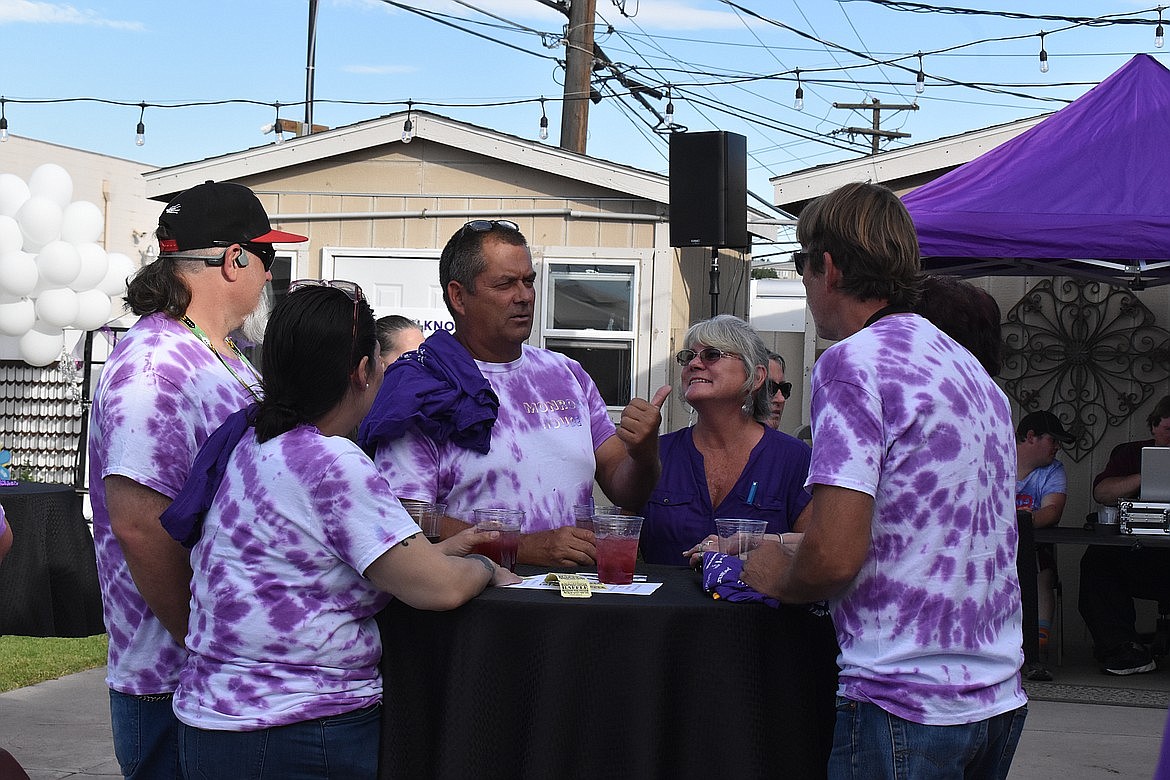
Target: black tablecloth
(48, 582)
(526, 684)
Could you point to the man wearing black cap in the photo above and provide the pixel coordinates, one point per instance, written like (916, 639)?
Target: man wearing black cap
(1041, 490)
(171, 380)
(1112, 577)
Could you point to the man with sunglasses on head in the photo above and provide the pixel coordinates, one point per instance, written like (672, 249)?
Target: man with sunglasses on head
(777, 390)
(911, 535)
(170, 381)
(548, 435)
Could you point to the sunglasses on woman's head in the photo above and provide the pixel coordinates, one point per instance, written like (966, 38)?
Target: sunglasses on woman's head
(352, 290)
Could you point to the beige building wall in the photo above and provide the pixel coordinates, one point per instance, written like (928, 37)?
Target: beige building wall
(415, 196)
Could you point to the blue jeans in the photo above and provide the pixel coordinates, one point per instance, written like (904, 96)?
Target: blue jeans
(146, 736)
(341, 746)
(869, 743)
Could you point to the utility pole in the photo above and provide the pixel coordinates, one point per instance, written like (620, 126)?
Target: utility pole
(578, 76)
(310, 67)
(876, 133)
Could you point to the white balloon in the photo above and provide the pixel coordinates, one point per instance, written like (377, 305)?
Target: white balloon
(11, 239)
(53, 182)
(81, 221)
(94, 264)
(17, 316)
(59, 263)
(93, 310)
(18, 273)
(57, 307)
(41, 345)
(13, 193)
(121, 269)
(40, 222)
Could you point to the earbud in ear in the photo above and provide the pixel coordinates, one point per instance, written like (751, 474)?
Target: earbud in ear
(242, 260)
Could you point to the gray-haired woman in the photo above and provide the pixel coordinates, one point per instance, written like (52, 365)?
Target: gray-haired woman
(729, 464)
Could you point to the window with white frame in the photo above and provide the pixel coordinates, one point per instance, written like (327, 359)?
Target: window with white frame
(590, 314)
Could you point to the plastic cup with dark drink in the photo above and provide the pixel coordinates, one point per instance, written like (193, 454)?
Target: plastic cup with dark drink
(503, 548)
(617, 547)
(428, 517)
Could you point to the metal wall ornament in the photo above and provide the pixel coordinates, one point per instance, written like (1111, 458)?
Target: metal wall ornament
(1086, 351)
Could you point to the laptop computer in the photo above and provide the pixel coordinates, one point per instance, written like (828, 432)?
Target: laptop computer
(1155, 474)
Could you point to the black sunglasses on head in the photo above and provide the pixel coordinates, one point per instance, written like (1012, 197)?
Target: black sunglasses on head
(784, 388)
(486, 225)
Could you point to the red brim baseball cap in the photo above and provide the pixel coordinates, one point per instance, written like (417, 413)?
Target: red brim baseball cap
(217, 214)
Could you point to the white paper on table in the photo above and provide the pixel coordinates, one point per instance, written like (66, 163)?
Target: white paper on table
(536, 582)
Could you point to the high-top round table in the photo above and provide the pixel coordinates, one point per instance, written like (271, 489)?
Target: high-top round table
(526, 684)
(48, 581)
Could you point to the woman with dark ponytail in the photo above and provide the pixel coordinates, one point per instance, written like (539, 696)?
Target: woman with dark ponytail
(302, 543)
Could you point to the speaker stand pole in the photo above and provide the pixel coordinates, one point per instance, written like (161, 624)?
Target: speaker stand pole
(714, 281)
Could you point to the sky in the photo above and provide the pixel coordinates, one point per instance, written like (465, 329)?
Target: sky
(729, 64)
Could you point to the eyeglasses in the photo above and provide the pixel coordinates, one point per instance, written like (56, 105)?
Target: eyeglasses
(352, 290)
(784, 388)
(799, 259)
(486, 225)
(708, 355)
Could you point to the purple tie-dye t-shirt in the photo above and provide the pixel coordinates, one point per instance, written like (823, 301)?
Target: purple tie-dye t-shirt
(282, 620)
(551, 421)
(930, 628)
(159, 397)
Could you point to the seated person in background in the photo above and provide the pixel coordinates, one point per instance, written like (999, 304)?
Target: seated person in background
(776, 389)
(302, 543)
(549, 435)
(1041, 490)
(397, 334)
(1112, 577)
(730, 463)
(5, 536)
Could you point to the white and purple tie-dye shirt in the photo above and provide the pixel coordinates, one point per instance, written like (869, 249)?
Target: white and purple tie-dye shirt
(930, 628)
(159, 397)
(551, 421)
(282, 621)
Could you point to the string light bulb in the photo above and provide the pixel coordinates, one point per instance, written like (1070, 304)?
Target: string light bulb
(1043, 56)
(408, 126)
(669, 108)
(276, 128)
(140, 131)
(3, 122)
(1159, 33)
(920, 82)
(543, 122)
(798, 103)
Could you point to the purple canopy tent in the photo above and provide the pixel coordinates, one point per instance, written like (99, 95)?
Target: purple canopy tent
(1084, 193)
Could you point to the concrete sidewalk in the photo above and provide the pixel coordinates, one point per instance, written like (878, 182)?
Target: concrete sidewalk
(61, 729)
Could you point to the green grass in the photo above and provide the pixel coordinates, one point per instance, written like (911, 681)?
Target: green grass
(26, 660)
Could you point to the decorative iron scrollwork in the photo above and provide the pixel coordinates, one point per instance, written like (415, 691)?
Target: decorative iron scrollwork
(1086, 351)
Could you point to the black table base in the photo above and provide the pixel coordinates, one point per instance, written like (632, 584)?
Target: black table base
(524, 684)
(48, 582)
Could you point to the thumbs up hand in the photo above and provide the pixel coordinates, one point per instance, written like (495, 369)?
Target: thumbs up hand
(638, 428)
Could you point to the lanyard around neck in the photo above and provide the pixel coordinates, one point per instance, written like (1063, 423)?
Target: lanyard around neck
(199, 334)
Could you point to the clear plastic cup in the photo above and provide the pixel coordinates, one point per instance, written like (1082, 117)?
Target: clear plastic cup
(739, 536)
(503, 549)
(617, 547)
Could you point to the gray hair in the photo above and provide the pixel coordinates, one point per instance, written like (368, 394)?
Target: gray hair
(389, 327)
(731, 334)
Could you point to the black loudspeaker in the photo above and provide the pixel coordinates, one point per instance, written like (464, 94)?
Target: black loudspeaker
(708, 189)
